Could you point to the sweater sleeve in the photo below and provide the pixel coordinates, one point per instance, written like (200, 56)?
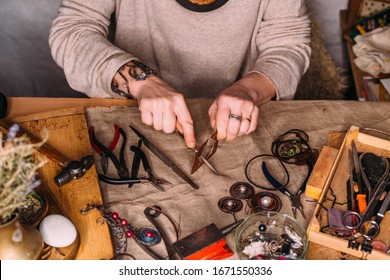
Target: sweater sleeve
(283, 43)
(79, 44)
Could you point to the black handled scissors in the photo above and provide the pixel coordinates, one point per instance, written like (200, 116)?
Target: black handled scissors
(296, 203)
(364, 223)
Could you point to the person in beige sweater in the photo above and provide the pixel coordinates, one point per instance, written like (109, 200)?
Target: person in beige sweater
(242, 53)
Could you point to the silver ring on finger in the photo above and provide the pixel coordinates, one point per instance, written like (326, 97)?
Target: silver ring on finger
(235, 117)
(238, 118)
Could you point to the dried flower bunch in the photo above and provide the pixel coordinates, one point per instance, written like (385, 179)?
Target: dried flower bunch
(18, 171)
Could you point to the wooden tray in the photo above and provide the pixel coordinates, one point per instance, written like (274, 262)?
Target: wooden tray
(68, 134)
(336, 180)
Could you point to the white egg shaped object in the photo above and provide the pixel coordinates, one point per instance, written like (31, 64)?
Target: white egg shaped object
(57, 231)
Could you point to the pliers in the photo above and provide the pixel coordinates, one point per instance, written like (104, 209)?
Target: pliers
(156, 182)
(139, 156)
(296, 203)
(103, 156)
(120, 163)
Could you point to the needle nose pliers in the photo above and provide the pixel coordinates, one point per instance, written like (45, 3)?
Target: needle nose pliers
(296, 203)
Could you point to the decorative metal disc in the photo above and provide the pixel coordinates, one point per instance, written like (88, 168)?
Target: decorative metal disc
(241, 190)
(266, 201)
(148, 236)
(230, 204)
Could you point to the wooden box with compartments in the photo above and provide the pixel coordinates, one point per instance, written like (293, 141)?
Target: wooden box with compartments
(363, 233)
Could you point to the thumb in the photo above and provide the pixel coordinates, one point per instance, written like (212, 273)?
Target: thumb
(185, 125)
(189, 134)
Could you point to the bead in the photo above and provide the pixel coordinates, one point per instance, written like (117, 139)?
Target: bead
(129, 233)
(114, 215)
(266, 201)
(285, 250)
(262, 227)
(149, 234)
(123, 222)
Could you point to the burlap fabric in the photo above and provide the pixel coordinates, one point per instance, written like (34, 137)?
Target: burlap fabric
(194, 209)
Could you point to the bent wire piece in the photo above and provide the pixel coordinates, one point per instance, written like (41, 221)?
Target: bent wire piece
(199, 158)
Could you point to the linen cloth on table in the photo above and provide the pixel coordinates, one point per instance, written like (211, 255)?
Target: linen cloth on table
(194, 209)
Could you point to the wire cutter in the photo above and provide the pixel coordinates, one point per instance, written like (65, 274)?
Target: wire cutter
(120, 163)
(156, 182)
(296, 203)
(139, 156)
(103, 156)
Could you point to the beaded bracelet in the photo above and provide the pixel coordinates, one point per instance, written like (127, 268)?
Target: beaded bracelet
(137, 70)
(122, 230)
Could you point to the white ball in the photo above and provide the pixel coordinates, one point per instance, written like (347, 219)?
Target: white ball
(57, 231)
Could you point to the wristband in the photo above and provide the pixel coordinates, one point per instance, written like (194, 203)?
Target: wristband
(140, 71)
(137, 70)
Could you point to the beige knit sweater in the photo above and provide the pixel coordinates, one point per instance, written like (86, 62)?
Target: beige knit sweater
(199, 54)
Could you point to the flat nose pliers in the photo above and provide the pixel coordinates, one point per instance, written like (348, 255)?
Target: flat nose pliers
(296, 203)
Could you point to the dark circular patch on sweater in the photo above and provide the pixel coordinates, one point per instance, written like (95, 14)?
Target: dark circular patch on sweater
(202, 8)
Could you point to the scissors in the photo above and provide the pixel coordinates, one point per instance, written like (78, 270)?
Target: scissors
(365, 223)
(103, 156)
(375, 168)
(360, 197)
(296, 203)
(199, 158)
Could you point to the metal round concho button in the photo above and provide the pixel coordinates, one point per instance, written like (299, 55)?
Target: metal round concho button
(241, 190)
(230, 204)
(149, 236)
(266, 201)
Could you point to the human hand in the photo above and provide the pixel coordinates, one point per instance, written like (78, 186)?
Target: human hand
(235, 111)
(164, 108)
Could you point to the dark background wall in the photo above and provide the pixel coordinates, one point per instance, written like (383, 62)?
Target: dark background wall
(26, 65)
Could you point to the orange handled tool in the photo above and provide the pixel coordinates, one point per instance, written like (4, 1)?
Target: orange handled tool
(361, 197)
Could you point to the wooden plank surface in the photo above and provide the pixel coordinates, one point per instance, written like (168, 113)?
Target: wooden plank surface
(68, 133)
(21, 106)
(319, 175)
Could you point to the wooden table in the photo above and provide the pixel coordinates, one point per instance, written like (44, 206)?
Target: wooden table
(20, 106)
(65, 122)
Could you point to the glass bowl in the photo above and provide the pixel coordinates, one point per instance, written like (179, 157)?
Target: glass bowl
(271, 235)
